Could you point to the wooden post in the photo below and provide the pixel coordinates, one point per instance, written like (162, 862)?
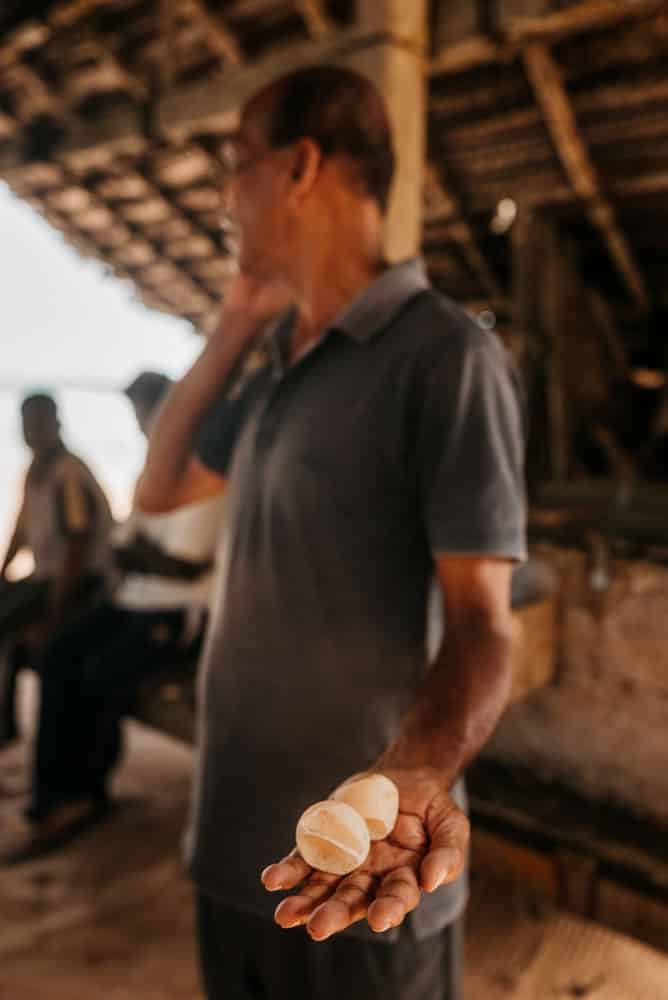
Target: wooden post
(557, 303)
(528, 237)
(395, 60)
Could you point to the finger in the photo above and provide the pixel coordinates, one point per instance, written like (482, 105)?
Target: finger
(296, 910)
(349, 904)
(441, 867)
(445, 860)
(286, 874)
(397, 895)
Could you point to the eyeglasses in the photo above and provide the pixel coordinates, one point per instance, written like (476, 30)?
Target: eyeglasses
(235, 156)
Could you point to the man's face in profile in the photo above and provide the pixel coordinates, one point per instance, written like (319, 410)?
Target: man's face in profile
(256, 195)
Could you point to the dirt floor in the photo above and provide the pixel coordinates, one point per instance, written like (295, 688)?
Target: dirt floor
(110, 917)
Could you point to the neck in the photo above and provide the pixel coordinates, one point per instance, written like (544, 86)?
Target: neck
(41, 460)
(329, 281)
(46, 454)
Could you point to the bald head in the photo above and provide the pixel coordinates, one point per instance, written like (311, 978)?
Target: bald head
(342, 112)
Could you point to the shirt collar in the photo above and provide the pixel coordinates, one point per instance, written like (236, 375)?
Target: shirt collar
(380, 302)
(366, 316)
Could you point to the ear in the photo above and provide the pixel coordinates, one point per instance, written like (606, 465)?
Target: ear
(305, 168)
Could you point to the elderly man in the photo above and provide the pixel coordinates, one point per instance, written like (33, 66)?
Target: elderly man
(382, 453)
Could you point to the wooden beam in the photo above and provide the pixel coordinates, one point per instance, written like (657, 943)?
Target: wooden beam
(219, 35)
(315, 17)
(580, 18)
(215, 102)
(439, 204)
(605, 319)
(550, 93)
(197, 287)
(556, 294)
(34, 96)
(587, 16)
(463, 234)
(459, 230)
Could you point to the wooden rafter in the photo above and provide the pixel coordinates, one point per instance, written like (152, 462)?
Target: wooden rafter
(443, 204)
(580, 18)
(315, 17)
(219, 35)
(201, 105)
(197, 287)
(35, 95)
(550, 92)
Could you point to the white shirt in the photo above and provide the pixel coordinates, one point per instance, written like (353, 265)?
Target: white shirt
(187, 533)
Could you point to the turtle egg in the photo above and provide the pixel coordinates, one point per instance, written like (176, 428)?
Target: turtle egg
(375, 798)
(332, 837)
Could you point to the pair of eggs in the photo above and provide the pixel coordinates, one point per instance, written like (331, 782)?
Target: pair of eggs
(335, 836)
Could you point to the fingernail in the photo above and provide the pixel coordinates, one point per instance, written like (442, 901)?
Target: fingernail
(440, 878)
(275, 886)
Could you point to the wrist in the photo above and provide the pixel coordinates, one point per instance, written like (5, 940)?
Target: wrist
(394, 760)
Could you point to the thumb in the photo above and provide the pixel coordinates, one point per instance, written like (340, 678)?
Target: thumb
(449, 835)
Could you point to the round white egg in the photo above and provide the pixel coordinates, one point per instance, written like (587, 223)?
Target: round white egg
(375, 798)
(333, 837)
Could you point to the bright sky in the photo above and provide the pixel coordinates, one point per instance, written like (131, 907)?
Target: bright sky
(70, 328)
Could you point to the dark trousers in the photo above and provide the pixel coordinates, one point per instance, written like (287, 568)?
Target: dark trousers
(23, 603)
(244, 957)
(89, 676)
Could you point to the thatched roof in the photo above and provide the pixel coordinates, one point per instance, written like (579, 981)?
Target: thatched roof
(112, 114)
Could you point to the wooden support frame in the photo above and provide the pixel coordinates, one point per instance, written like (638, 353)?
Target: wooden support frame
(550, 93)
(580, 18)
(315, 17)
(442, 204)
(215, 102)
(95, 202)
(219, 35)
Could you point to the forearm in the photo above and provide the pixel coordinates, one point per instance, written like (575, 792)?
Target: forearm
(173, 434)
(458, 705)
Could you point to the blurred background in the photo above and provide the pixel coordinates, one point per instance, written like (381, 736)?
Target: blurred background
(69, 328)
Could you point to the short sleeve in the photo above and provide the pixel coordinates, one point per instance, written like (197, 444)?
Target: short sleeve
(220, 429)
(471, 446)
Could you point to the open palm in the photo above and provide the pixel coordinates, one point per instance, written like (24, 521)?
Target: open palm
(426, 848)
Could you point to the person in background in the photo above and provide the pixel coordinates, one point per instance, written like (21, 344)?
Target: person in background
(91, 670)
(382, 454)
(65, 523)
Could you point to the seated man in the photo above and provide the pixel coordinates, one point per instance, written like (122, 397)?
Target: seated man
(65, 522)
(91, 670)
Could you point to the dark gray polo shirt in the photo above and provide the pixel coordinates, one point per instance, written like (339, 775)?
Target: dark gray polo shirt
(399, 436)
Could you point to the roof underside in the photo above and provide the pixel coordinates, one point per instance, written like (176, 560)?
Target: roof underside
(112, 114)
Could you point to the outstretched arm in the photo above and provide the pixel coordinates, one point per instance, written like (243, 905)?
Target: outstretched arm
(452, 718)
